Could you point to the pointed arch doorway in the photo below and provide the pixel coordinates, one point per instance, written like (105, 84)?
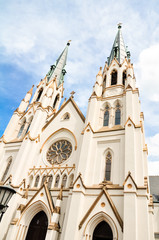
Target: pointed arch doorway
(103, 232)
(38, 227)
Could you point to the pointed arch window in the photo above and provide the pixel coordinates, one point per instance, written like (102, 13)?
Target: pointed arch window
(39, 94)
(57, 181)
(29, 124)
(124, 77)
(71, 180)
(117, 115)
(43, 180)
(108, 166)
(37, 181)
(56, 101)
(50, 181)
(114, 77)
(64, 180)
(21, 129)
(106, 117)
(7, 169)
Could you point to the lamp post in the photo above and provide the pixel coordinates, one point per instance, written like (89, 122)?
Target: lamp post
(6, 192)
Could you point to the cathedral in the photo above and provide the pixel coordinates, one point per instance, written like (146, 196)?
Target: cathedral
(77, 177)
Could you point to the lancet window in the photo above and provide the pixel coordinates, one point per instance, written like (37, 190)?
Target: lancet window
(7, 169)
(114, 77)
(37, 181)
(56, 101)
(29, 124)
(71, 180)
(64, 180)
(106, 117)
(43, 180)
(124, 77)
(39, 94)
(108, 166)
(117, 115)
(50, 181)
(57, 181)
(21, 129)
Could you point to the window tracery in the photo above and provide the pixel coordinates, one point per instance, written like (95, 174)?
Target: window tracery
(106, 117)
(108, 166)
(21, 129)
(59, 152)
(117, 115)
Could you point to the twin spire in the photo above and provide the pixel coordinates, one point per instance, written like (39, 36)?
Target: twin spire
(119, 51)
(58, 69)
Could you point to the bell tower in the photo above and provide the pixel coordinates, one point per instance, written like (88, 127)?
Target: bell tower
(113, 152)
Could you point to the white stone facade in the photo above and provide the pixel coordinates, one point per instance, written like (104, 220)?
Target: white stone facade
(103, 178)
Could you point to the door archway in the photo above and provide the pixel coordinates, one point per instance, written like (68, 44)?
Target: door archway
(38, 227)
(103, 232)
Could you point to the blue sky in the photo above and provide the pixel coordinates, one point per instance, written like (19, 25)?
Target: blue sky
(34, 33)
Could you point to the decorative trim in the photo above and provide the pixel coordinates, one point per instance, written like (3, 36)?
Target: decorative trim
(55, 133)
(31, 138)
(76, 107)
(54, 226)
(120, 221)
(90, 210)
(88, 125)
(48, 170)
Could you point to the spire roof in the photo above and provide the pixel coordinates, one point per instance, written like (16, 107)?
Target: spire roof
(119, 50)
(58, 69)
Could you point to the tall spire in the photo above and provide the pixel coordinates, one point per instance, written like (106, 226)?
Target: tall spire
(58, 69)
(119, 50)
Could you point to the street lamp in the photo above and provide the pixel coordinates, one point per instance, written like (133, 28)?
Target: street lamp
(6, 192)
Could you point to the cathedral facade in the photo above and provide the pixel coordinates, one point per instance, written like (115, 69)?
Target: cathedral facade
(79, 178)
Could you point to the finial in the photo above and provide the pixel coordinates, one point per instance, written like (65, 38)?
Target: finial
(68, 43)
(119, 25)
(72, 93)
(31, 90)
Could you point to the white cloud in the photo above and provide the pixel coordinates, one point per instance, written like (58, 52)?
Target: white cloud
(153, 168)
(153, 145)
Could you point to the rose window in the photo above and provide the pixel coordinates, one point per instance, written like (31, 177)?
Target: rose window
(59, 151)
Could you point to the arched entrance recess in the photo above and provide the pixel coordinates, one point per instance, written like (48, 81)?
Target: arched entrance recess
(103, 232)
(38, 227)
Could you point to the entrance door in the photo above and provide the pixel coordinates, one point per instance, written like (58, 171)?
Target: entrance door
(103, 232)
(38, 227)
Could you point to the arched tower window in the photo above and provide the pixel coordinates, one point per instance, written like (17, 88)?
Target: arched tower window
(50, 181)
(7, 169)
(103, 231)
(106, 117)
(124, 77)
(56, 101)
(117, 115)
(21, 129)
(64, 180)
(39, 94)
(108, 166)
(38, 227)
(57, 180)
(37, 181)
(114, 77)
